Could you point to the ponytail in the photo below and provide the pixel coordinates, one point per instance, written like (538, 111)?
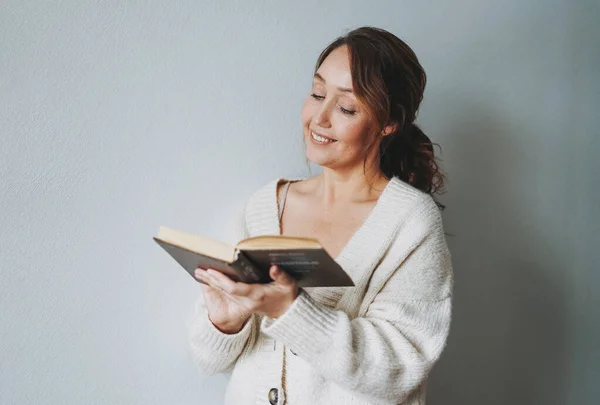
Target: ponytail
(409, 156)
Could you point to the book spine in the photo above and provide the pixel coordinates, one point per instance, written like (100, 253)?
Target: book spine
(247, 271)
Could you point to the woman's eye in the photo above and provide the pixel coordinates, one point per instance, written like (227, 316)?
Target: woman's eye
(348, 112)
(317, 97)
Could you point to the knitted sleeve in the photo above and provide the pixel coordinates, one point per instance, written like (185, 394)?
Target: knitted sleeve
(212, 350)
(387, 353)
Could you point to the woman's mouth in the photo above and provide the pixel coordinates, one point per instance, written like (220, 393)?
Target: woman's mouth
(321, 139)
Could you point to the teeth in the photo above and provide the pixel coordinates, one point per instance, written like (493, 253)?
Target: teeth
(320, 138)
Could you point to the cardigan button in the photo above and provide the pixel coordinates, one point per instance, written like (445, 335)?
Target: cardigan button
(273, 396)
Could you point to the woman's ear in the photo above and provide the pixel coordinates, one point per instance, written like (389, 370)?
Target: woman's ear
(389, 129)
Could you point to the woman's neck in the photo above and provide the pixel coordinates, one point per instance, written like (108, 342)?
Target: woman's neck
(334, 187)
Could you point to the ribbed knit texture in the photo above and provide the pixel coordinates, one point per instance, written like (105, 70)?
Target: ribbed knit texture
(374, 343)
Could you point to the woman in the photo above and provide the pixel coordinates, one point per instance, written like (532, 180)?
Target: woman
(372, 209)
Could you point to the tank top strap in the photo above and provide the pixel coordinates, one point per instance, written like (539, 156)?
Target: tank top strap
(283, 197)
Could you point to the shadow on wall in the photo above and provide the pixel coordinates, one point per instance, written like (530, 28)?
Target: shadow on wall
(507, 342)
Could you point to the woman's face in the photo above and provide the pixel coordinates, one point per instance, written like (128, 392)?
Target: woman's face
(335, 126)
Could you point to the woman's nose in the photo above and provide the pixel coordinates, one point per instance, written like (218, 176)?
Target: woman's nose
(322, 116)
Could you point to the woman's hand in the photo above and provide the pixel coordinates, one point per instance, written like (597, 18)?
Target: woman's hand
(223, 312)
(271, 299)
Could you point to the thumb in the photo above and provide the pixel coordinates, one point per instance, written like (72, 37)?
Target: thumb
(280, 277)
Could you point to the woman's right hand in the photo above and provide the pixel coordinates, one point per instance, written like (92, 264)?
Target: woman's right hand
(227, 316)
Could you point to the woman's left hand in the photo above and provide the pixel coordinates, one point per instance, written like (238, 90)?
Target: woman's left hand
(271, 299)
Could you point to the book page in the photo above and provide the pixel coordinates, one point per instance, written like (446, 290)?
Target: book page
(195, 243)
(278, 242)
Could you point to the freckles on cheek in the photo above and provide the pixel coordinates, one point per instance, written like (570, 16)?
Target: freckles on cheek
(356, 145)
(350, 151)
(356, 137)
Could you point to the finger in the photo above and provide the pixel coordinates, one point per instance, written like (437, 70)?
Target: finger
(280, 277)
(228, 285)
(200, 275)
(205, 277)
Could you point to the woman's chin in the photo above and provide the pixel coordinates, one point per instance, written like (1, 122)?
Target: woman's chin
(319, 159)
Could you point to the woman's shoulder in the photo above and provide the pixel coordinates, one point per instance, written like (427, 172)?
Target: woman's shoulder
(410, 205)
(407, 194)
(266, 194)
(273, 187)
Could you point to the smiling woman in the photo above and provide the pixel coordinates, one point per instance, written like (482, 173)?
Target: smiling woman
(365, 87)
(372, 208)
(333, 117)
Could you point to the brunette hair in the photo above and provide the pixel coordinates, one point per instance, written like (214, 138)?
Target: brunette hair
(389, 81)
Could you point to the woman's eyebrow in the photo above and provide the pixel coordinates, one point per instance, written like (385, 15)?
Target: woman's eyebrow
(342, 89)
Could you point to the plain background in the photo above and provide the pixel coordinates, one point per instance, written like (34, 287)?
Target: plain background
(117, 117)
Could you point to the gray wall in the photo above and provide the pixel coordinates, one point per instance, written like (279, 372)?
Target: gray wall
(117, 117)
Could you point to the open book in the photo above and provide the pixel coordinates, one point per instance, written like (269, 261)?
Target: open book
(249, 261)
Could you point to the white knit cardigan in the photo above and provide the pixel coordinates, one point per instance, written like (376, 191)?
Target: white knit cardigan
(374, 343)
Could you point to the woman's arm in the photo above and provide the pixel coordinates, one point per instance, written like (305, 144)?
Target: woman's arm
(213, 350)
(388, 352)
